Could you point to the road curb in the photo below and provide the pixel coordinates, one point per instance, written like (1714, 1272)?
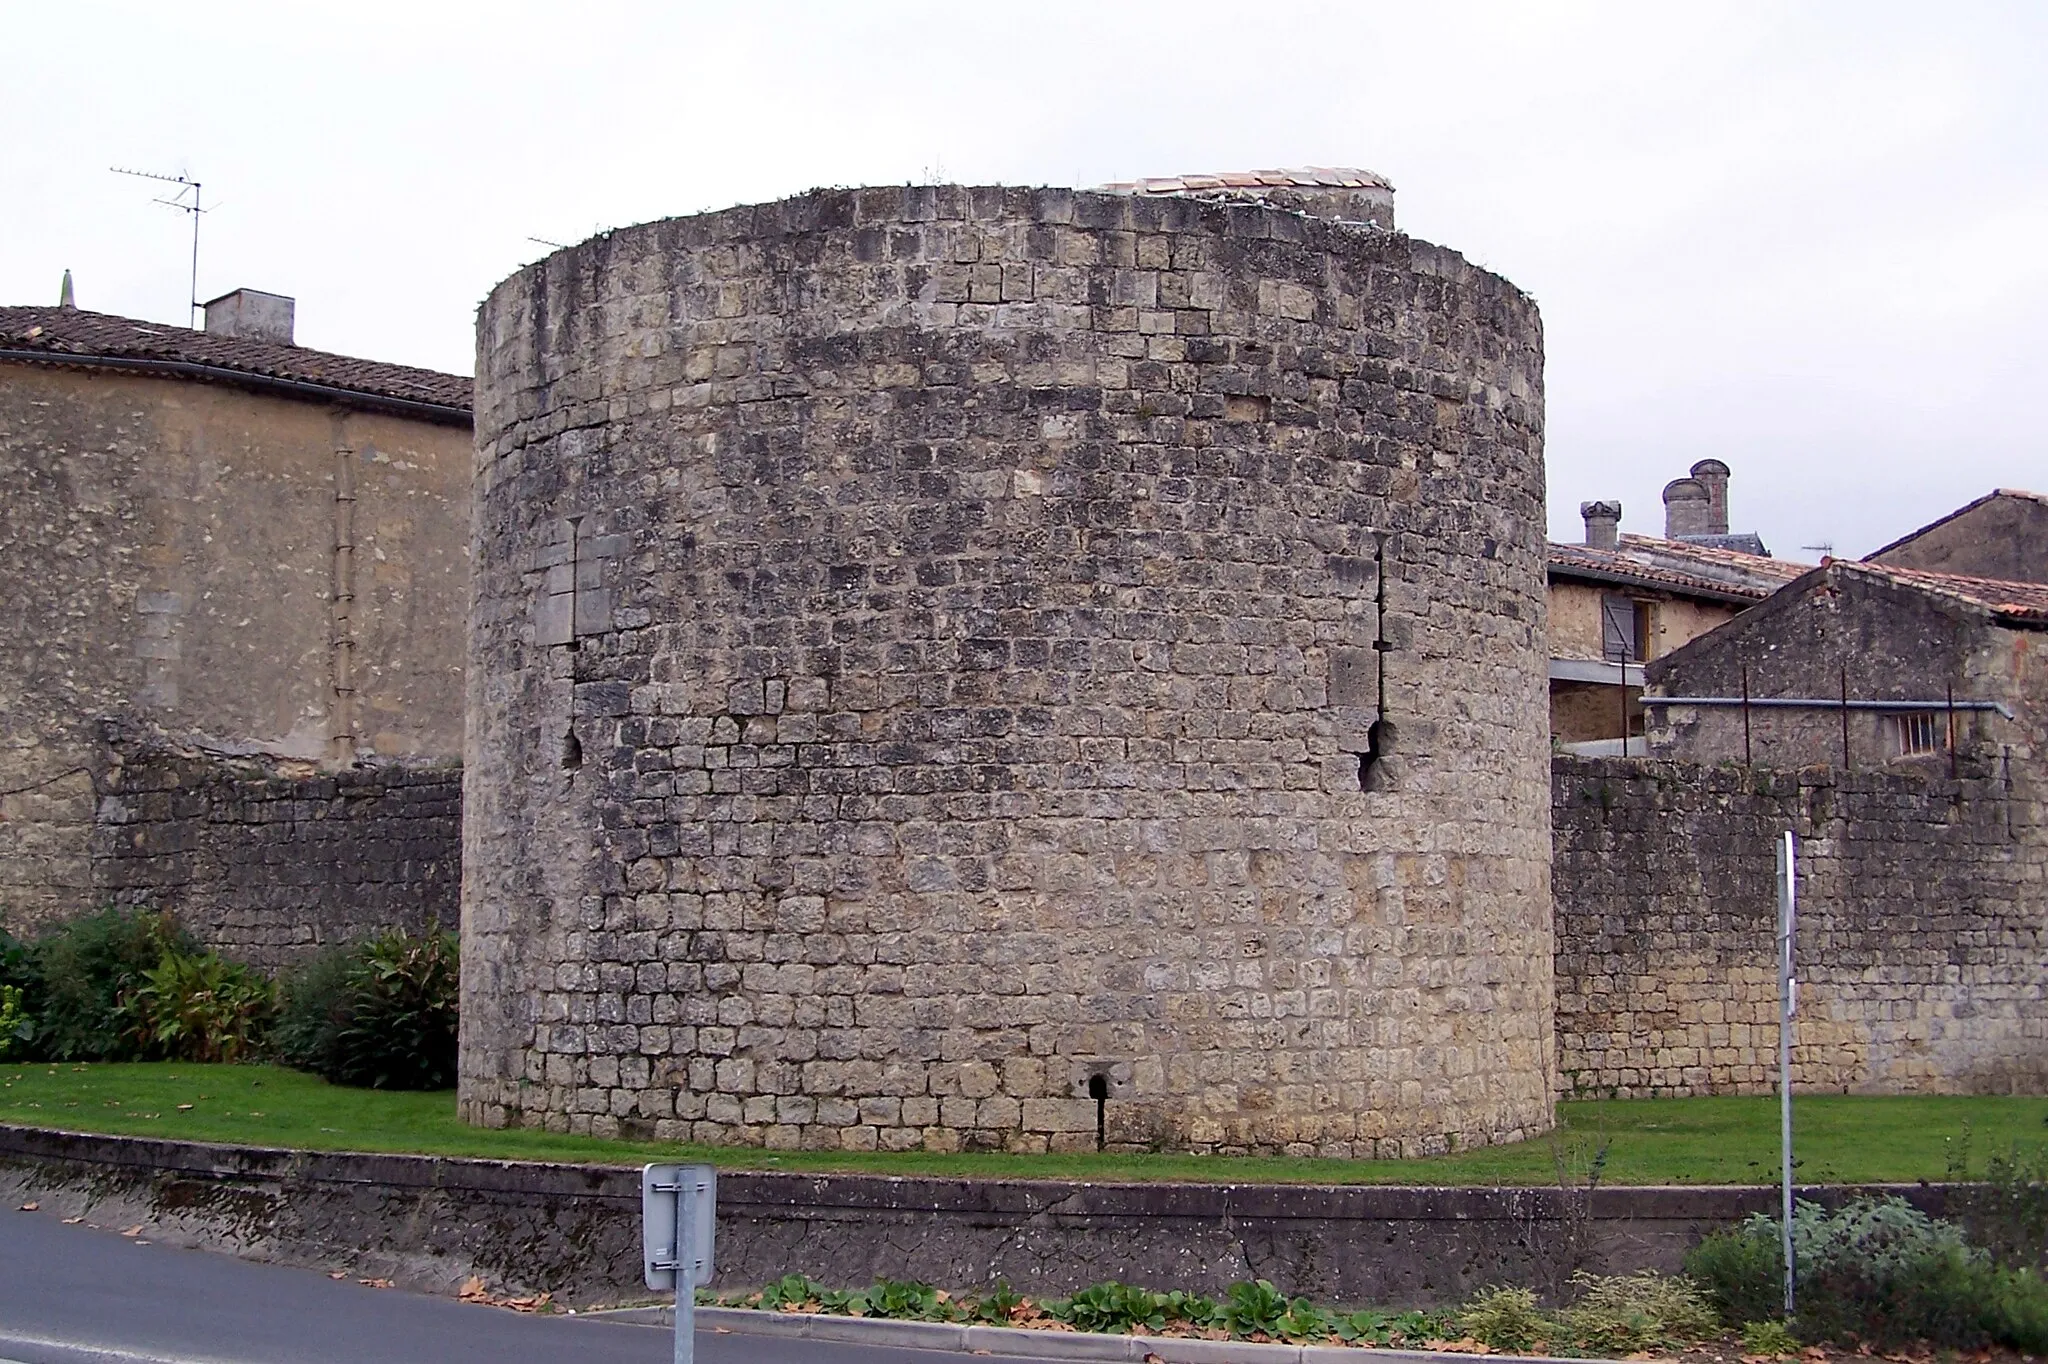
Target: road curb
(999, 1341)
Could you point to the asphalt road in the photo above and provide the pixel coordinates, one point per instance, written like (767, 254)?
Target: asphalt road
(75, 1295)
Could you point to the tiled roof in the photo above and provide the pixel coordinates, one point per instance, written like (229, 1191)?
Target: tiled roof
(1992, 496)
(1303, 177)
(1674, 566)
(82, 337)
(2017, 603)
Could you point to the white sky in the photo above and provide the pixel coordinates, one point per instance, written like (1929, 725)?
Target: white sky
(1808, 240)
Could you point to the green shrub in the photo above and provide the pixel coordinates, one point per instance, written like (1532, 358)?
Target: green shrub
(16, 1028)
(201, 1007)
(1876, 1270)
(1625, 1314)
(1768, 1338)
(380, 1015)
(1506, 1319)
(86, 969)
(1742, 1270)
(2007, 1211)
(312, 1009)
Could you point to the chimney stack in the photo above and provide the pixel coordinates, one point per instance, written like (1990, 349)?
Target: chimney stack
(251, 315)
(1688, 509)
(1712, 475)
(1603, 524)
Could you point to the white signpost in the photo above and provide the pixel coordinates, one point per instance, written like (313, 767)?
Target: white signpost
(1788, 1004)
(678, 1210)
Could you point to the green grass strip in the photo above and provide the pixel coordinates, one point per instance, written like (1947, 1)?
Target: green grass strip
(1850, 1139)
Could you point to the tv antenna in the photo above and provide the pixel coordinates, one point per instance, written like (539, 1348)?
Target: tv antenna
(1825, 549)
(176, 199)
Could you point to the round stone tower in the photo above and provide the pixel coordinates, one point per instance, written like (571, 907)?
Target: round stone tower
(1009, 668)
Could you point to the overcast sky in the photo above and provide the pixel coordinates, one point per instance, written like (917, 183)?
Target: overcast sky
(1809, 240)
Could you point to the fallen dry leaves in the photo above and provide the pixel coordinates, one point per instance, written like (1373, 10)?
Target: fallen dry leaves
(30, 1207)
(475, 1290)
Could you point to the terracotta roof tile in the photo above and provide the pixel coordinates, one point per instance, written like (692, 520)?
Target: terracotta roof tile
(2019, 603)
(61, 332)
(1684, 569)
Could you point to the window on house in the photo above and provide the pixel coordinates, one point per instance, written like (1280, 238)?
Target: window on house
(1624, 629)
(1918, 732)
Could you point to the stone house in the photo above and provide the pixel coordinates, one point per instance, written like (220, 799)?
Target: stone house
(226, 549)
(1865, 665)
(1618, 601)
(1892, 719)
(2003, 534)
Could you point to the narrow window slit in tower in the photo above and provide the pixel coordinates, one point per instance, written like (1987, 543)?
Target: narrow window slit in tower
(572, 751)
(1098, 1090)
(1379, 736)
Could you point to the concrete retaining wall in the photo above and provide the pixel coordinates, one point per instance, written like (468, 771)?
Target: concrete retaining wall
(573, 1230)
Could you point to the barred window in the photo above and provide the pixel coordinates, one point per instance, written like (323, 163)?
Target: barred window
(1919, 732)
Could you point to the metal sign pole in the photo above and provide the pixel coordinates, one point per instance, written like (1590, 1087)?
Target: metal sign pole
(1788, 1004)
(686, 1281)
(678, 1212)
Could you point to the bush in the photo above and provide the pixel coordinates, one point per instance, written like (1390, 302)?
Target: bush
(85, 970)
(1505, 1318)
(1625, 1314)
(1876, 1270)
(15, 1025)
(1768, 1338)
(201, 1007)
(2007, 1213)
(380, 1016)
(312, 1009)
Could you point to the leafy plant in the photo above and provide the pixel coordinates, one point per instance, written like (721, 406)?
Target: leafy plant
(1876, 1270)
(1768, 1338)
(1625, 1314)
(791, 1292)
(907, 1300)
(201, 1007)
(1194, 1309)
(380, 1015)
(1506, 1319)
(1001, 1305)
(1255, 1306)
(312, 1009)
(2007, 1211)
(87, 968)
(1112, 1306)
(15, 1025)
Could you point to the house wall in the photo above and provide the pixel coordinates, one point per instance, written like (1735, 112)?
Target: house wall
(2004, 537)
(168, 553)
(1575, 618)
(1882, 642)
(1923, 932)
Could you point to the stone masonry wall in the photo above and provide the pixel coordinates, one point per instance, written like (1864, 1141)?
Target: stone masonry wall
(266, 861)
(171, 550)
(1923, 934)
(926, 689)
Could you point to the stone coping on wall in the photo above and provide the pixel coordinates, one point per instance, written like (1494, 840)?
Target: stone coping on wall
(787, 1193)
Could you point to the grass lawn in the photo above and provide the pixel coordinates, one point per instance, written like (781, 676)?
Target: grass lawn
(1840, 1138)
